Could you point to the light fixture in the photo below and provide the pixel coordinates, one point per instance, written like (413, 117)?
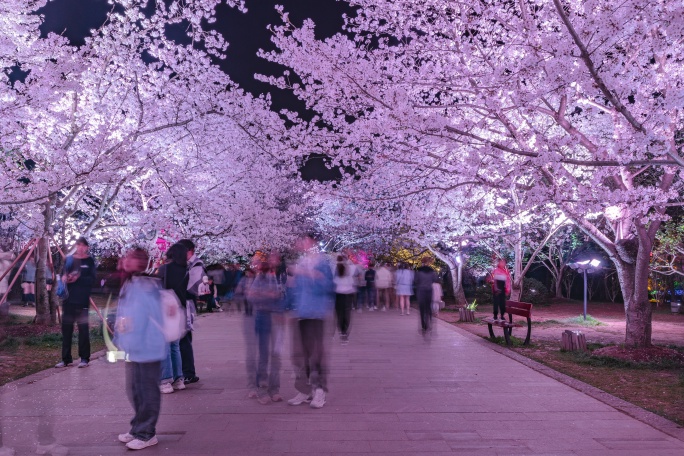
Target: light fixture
(586, 266)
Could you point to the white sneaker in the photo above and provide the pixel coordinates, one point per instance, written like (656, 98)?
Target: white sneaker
(318, 400)
(299, 399)
(179, 384)
(83, 364)
(125, 438)
(138, 444)
(166, 388)
(384, 309)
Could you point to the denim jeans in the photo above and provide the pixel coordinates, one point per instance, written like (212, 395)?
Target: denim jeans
(269, 334)
(309, 356)
(142, 386)
(371, 296)
(249, 332)
(172, 366)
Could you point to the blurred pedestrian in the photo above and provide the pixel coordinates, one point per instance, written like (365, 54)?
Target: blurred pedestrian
(248, 330)
(266, 295)
(314, 301)
(195, 273)
(138, 334)
(79, 276)
(371, 294)
(404, 284)
(344, 292)
(424, 278)
(174, 277)
(28, 284)
(383, 283)
(360, 282)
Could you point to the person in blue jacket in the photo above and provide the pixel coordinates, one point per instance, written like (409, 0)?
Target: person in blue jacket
(138, 333)
(314, 300)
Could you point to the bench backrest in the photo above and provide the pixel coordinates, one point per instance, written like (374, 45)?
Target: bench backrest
(524, 309)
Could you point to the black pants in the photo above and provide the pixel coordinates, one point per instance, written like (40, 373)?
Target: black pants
(425, 306)
(187, 355)
(80, 317)
(343, 306)
(142, 386)
(499, 299)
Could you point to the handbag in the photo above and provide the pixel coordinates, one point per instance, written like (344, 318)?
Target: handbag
(62, 289)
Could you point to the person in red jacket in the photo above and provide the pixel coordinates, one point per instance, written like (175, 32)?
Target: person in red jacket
(500, 279)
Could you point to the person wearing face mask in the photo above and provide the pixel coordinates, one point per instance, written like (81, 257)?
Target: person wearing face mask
(79, 276)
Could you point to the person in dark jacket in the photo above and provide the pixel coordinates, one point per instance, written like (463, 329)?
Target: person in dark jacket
(79, 275)
(174, 277)
(424, 278)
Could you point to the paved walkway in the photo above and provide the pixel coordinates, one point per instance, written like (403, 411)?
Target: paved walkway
(390, 392)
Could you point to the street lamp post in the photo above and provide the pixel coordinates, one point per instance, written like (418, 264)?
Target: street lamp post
(585, 267)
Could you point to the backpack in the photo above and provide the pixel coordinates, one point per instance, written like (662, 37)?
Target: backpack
(173, 315)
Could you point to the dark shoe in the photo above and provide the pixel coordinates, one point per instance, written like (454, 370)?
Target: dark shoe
(191, 380)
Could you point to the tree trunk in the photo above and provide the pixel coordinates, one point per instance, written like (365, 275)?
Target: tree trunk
(558, 285)
(638, 311)
(456, 272)
(457, 280)
(42, 271)
(517, 279)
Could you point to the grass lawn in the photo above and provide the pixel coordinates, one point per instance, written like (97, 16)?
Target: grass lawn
(26, 348)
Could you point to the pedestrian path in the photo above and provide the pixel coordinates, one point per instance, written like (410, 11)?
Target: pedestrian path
(391, 392)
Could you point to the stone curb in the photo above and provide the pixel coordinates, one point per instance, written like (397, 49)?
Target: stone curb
(655, 421)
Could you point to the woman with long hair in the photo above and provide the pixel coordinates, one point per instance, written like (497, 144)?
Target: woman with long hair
(404, 285)
(344, 292)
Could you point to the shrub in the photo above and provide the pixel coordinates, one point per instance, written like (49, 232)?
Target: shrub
(483, 295)
(535, 292)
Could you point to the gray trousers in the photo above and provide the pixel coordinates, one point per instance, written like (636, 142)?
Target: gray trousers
(309, 355)
(142, 386)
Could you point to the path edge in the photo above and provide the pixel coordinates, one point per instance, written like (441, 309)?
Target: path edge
(45, 373)
(657, 422)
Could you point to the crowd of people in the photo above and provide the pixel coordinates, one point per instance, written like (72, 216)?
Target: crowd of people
(272, 298)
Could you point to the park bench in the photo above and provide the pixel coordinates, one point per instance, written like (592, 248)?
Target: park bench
(523, 309)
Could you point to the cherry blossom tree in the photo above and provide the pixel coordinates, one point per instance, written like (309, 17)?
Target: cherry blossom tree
(578, 101)
(142, 100)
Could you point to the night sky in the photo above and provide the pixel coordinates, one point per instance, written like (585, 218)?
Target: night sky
(246, 34)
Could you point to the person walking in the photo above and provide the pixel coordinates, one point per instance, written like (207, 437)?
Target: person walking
(424, 278)
(138, 333)
(383, 283)
(79, 276)
(248, 330)
(360, 282)
(314, 302)
(195, 273)
(174, 276)
(344, 293)
(404, 285)
(371, 293)
(266, 295)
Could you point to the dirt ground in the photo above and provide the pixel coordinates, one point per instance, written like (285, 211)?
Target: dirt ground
(548, 323)
(26, 348)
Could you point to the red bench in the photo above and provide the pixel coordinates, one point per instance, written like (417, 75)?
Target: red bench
(523, 309)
